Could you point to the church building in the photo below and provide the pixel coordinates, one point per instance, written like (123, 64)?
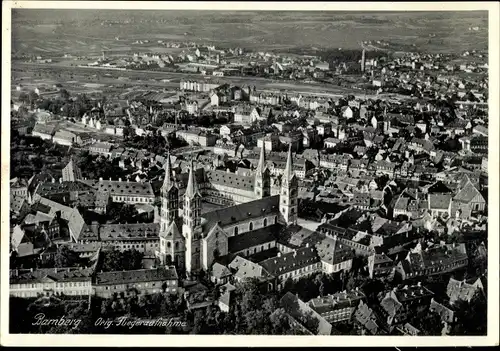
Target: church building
(195, 241)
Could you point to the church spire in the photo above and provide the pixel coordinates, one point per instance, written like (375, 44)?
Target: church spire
(169, 179)
(262, 159)
(289, 165)
(192, 188)
(289, 191)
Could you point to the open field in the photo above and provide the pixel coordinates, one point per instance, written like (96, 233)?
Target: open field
(88, 32)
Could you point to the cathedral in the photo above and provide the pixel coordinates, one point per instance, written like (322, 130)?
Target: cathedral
(193, 241)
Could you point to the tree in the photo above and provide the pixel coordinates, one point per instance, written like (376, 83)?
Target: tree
(279, 322)
(311, 323)
(115, 260)
(32, 97)
(64, 94)
(122, 213)
(256, 322)
(198, 322)
(112, 260)
(65, 257)
(428, 323)
(472, 316)
(132, 259)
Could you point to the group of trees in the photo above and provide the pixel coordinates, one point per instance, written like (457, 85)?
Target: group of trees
(210, 120)
(252, 311)
(155, 142)
(120, 212)
(472, 316)
(28, 98)
(95, 166)
(115, 260)
(63, 257)
(71, 107)
(31, 155)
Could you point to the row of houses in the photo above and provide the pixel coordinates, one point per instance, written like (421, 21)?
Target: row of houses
(80, 282)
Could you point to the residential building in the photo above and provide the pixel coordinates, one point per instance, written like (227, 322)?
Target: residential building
(338, 307)
(141, 281)
(70, 281)
(433, 261)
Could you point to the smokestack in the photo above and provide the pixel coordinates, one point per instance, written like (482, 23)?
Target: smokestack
(363, 57)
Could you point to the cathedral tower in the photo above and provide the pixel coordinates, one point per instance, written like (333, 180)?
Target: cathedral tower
(262, 186)
(169, 197)
(289, 192)
(191, 227)
(171, 240)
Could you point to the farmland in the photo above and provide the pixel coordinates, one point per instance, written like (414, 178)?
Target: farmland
(116, 31)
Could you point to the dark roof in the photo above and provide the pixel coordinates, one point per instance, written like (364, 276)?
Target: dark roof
(436, 256)
(129, 231)
(336, 301)
(291, 261)
(136, 276)
(409, 293)
(62, 187)
(253, 209)
(333, 252)
(124, 188)
(53, 274)
(253, 238)
(231, 180)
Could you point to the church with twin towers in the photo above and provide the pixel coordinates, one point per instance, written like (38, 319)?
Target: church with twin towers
(194, 241)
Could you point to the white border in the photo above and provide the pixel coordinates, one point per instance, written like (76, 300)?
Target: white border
(212, 340)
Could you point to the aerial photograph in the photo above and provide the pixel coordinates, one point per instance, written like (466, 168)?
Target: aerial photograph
(248, 172)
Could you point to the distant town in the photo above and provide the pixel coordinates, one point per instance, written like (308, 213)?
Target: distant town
(234, 191)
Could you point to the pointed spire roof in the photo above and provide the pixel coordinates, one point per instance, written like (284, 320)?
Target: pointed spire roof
(289, 164)
(192, 188)
(169, 179)
(262, 160)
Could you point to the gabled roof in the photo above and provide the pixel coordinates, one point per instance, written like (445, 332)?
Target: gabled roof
(172, 231)
(51, 274)
(129, 231)
(253, 238)
(462, 290)
(467, 193)
(231, 180)
(17, 237)
(336, 301)
(245, 269)
(291, 261)
(220, 271)
(439, 201)
(75, 220)
(365, 316)
(243, 212)
(333, 252)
